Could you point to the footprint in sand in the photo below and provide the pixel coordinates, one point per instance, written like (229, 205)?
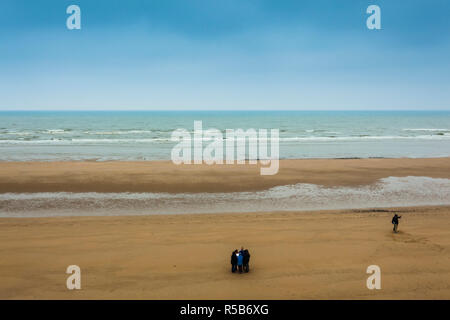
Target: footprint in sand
(406, 237)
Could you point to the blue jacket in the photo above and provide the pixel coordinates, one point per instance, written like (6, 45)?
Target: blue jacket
(240, 259)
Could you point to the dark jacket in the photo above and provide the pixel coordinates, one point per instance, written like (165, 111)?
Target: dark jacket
(395, 219)
(246, 256)
(233, 258)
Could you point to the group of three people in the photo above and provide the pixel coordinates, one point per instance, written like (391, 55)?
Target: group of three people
(240, 260)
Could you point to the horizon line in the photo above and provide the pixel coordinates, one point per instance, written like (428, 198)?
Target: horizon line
(208, 110)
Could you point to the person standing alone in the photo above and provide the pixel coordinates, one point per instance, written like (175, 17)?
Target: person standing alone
(395, 222)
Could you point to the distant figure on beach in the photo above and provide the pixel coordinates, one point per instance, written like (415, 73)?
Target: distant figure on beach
(246, 260)
(395, 222)
(240, 258)
(234, 260)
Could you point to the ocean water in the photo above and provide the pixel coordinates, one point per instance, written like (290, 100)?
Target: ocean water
(135, 135)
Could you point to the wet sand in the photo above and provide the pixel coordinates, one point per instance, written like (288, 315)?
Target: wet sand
(164, 176)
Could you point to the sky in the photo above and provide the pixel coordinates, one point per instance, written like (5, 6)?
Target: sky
(225, 55)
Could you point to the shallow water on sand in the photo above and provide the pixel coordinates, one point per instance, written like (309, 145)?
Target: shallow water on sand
(387, 192)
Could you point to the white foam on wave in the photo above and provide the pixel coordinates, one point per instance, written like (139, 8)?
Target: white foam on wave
(76, 141)
(82, 141)
(426, 129)
(118, 132)
(56, 131)
(366, 138)
(387, 192)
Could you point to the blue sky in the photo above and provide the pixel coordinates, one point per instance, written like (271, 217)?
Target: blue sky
(227, 55)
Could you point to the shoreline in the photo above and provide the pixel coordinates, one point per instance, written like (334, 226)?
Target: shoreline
(99, 160)
(361, 210)
(166, 177)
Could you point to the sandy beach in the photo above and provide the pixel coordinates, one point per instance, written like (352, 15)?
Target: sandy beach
(309, 255)
(295, 255)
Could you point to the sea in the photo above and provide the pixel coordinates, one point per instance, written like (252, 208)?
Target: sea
(145, 136)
